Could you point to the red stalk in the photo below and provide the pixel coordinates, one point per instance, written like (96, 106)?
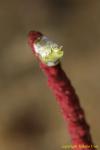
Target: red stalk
(68, 100)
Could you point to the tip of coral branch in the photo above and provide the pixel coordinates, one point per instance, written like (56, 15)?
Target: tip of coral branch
(49, 52)
(46, 50)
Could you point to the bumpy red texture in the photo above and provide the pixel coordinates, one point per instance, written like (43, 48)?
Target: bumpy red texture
(69, 103)
(70, 106)
(33, 35)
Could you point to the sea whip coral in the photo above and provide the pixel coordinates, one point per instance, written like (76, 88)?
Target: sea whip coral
(49, 54)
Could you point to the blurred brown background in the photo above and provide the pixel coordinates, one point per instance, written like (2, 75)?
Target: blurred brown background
(29, 115)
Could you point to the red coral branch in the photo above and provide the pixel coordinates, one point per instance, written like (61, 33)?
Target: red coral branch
(68, 100)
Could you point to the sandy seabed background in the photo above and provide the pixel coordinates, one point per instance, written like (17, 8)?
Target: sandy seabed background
(30, 118)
